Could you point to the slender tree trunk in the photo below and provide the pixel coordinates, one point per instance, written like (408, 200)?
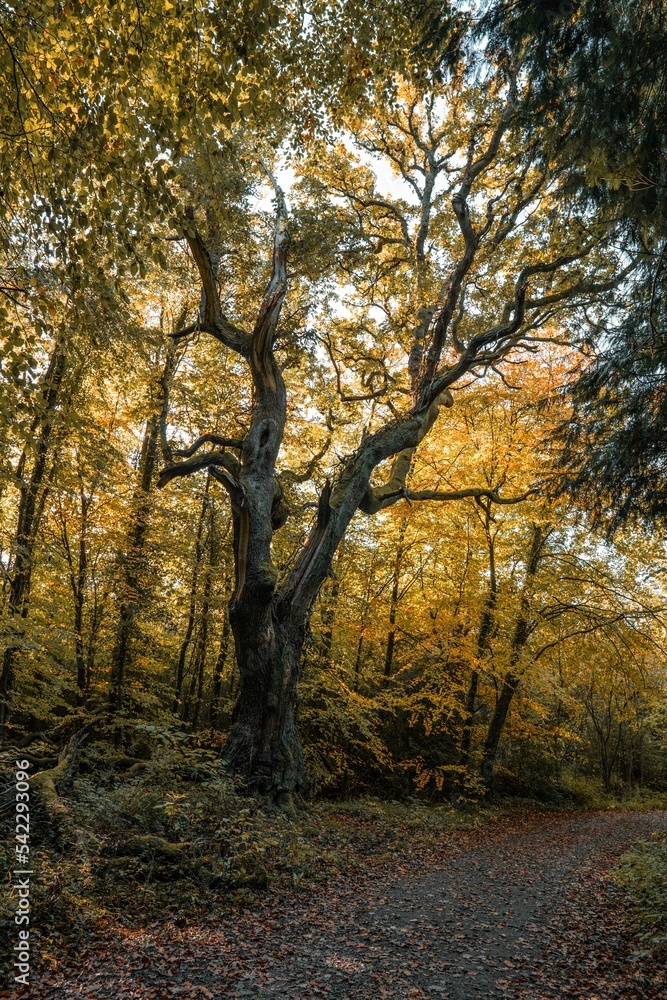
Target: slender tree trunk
(29, 515)
(198, 659)
(357, 659)
(190, 692)
(218, 673)
(78, 573)
(96, 618)
(607, 748)
(202, 646)
(328, 616)
(497, 724)
(469, 718)
(364, 621)
(393, 604)
(183, 652)
(131, 600)
(187, 638)
(131, 597)
(486, 625)
(79, 598)
(519, 639)
(328, 619)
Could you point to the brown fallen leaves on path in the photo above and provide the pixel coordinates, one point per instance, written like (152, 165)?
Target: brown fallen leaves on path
(523, 909)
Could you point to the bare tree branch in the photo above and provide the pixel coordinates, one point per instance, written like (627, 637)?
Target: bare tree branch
(211, 458)
(471, 239)
(307, 473)
(213, 320)
(223, 442)
(504, 336)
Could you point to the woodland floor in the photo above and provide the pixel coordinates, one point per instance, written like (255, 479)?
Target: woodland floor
(524, 908)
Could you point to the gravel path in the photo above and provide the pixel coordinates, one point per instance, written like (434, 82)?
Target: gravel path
(523, 909)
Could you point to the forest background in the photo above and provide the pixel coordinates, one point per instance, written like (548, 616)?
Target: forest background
(331, 406)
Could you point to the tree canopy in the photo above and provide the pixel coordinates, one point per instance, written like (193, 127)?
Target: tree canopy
(599, 69)
(304, 315)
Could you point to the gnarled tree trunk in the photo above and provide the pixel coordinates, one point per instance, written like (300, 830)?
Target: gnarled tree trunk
(263, 743)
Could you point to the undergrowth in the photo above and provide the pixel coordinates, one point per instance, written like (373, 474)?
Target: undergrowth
(642, 875)
(158, 830)
(589, 793)
(173, 836)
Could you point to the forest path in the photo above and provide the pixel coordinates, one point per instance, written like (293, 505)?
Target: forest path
(524, 908)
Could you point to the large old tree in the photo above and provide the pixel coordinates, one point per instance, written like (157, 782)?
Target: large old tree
(433, 231)
(426, 247)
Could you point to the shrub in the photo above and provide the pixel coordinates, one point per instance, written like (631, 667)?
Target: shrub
(642, 874)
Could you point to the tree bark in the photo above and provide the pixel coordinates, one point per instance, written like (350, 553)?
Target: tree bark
(78, 576)
(29, 515)
(328, 615)
(131, 599)
(496, 726)
(221, 660)
(192, 610)
(367, 604)
(357, 659)
(263, 744)
(486, 626)
(96, 618)
(202, 643)
(269, 627)
(603, 722)
(328, 619)
(79, 598)
(393, 604)
(519, 639)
